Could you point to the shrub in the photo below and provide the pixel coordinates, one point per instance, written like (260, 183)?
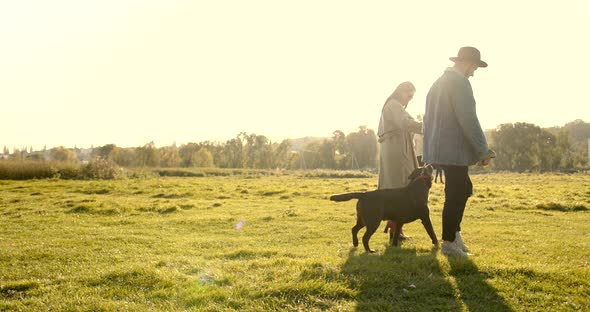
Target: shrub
(68, 171)
(101, 168)
(179, 173)
(140, 173)
(335, 174)
(25, 169)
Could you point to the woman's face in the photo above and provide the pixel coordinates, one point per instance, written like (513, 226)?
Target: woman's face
(407, 96)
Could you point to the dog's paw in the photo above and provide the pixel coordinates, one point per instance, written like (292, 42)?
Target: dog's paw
(371, 251)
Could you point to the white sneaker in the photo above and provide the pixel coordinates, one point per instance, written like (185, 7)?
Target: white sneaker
(459, 241)
(452, 249)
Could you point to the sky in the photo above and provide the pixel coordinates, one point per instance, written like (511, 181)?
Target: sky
(127, 72)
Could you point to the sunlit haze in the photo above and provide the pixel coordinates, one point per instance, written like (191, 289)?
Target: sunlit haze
(82, 73)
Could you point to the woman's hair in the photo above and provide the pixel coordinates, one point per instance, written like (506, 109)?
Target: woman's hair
(404, 86)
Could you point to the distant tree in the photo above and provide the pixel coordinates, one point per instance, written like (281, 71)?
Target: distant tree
(310, 155)
(579, 130)
(319, 154)
(124, 157)
(281, 154)
(35, 157)
(353, 151)
(548, 155)
(565, 150)
(16, 154)
(148, 155)
(216, 151)
(257, 151)
(233, 152)
(203, 158)
(265, 152)
(170, 156)
(250, 150)
(104, 151)
(341, 150)
(187, 153)
(580, 134)
(326, 154)
(63, 154)
(523, 146)
(295, 161)
(363, 148)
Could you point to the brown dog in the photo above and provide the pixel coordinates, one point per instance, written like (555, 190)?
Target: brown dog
(401, 205)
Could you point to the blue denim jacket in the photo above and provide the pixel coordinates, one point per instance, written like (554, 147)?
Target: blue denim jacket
(452, 133)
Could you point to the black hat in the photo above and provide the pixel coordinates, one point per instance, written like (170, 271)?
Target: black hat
(469, 54)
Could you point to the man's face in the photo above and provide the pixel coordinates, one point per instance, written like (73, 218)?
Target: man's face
(471, 70)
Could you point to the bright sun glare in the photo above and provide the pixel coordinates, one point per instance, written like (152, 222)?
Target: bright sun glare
(130, 72)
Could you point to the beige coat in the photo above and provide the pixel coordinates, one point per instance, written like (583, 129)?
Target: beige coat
(397, 156)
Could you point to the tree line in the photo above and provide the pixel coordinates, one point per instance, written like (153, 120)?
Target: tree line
(527, 147)
(356, 150)
(519, 147)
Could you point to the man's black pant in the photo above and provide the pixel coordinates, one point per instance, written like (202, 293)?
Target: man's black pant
(458, 188)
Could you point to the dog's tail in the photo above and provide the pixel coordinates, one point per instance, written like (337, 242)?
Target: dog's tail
(346, 196)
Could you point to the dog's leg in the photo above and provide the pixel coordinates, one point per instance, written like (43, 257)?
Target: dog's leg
(358, 226)
(371, 228)
(355, 229)
(428, 226)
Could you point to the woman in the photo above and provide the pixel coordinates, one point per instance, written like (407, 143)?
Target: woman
(396, 128)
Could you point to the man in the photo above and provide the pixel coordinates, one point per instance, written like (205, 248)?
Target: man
(454, 140)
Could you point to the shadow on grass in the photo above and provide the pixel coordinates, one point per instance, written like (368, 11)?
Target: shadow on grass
(411, 279)
(476, 293)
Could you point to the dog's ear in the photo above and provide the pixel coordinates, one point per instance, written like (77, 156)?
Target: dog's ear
(416, 173)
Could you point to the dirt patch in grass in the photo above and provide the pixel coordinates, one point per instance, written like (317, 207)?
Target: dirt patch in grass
(12, 288)
(172, 196)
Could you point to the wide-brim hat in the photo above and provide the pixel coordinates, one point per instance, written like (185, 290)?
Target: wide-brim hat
(469, 54)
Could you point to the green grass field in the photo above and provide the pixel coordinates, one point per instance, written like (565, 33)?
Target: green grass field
(276, 243)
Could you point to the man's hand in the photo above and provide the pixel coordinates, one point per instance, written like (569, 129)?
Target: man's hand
(487, 158)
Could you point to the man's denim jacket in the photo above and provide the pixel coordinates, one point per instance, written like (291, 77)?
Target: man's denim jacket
(452, 133)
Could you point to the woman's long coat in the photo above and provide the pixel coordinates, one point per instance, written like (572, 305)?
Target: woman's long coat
(397, 156)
